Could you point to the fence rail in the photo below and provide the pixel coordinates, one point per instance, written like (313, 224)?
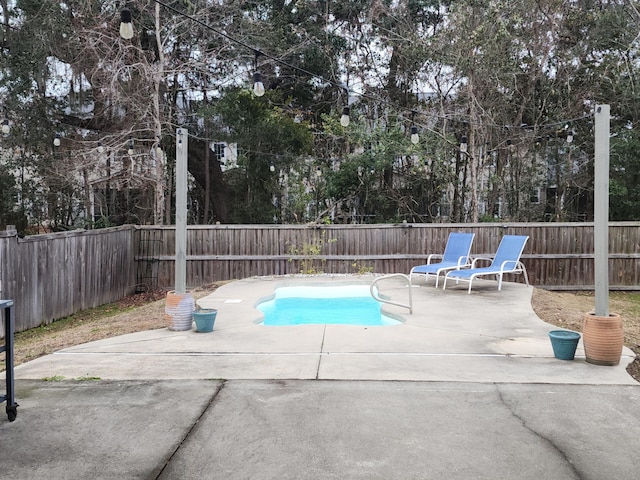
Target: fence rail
(557, 256)
(52, 276)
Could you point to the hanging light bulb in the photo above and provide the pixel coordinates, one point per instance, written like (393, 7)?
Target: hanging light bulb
(157, 149)
(272, 168)
(570, 136)
(56, 140)
(463, 144)
(344, 119)
(6, 128)
(318, 172)
(258, 86)
(126, 27)
(100, 147)
(131, 145)
(415, 138)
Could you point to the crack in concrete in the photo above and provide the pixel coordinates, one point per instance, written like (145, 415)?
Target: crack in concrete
(324, 332)
(193, 426)
(545, 439)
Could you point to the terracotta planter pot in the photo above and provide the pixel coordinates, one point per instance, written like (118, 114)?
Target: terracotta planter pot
(178, 310)
(603, 338)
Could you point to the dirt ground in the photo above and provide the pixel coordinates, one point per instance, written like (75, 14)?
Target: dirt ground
(145, 311)
(567, 309)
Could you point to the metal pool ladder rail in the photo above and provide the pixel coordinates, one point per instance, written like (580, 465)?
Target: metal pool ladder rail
(374, 291)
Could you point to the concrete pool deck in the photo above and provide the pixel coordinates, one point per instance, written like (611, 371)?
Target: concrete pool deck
(488, 336)
(466, 388)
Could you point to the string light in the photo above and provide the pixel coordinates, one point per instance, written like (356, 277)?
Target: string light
(126, 27)
(158, 148)
(415, 138)
(6, 128)
(463, 144)
(258, 86)
(56, 140)
(344, 119)
(131, 145)
(570, 136)
(314, 75)
(100, 147)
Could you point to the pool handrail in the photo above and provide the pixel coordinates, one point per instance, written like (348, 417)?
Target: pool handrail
(375, 295)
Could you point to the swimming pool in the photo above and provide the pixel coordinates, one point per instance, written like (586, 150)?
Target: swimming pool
(336, 305)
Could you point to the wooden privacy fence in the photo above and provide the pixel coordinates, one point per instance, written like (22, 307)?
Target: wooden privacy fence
(557, 256)
(55, 275)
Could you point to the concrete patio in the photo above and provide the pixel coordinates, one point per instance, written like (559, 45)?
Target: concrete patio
(488, 336)
(467, 387)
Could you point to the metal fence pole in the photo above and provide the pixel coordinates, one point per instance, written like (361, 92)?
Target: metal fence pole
(182, 138)
(601, 211)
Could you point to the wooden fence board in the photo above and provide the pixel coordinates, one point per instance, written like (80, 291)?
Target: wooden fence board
(55, 275)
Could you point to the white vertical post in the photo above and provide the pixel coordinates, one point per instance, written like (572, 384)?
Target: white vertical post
(182, 138)
(601, 210)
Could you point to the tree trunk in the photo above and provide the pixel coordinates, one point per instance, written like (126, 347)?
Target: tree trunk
(159, 173)
(217, 190)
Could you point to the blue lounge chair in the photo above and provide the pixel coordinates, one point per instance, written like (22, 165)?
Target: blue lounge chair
(455, 256)
(506, 260)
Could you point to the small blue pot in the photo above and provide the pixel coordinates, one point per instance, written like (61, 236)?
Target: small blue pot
(564, 343)
(205, 320)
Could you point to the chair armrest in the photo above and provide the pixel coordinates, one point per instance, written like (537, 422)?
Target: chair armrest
(433, 255)
(483, 259)
(516, 265)
(463, 261)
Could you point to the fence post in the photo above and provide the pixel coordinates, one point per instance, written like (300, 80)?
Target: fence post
(6, 256)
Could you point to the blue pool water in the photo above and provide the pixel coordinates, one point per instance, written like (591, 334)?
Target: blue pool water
(343, 305)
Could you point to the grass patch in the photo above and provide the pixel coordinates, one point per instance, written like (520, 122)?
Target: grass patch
(80, 318)
(135, 313)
